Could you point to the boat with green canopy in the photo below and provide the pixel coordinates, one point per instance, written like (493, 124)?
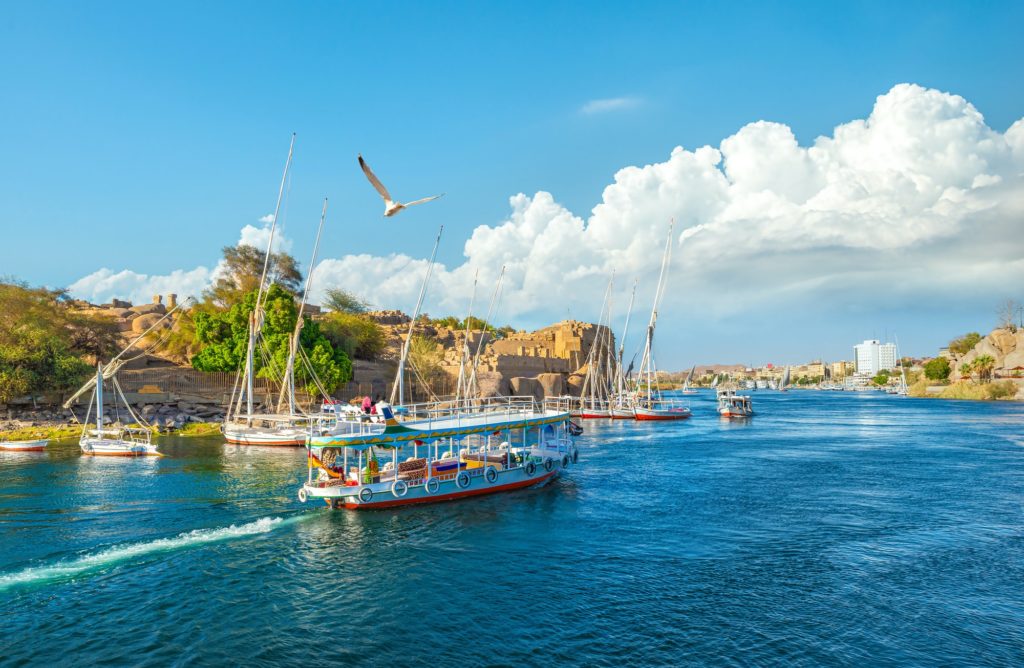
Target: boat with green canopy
(440, 451)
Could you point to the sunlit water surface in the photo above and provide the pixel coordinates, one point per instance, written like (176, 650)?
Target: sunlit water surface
(842, 528)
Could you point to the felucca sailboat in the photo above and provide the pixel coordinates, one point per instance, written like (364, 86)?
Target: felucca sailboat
(650, 405)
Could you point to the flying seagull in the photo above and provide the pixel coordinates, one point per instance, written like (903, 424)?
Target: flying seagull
(391, 207)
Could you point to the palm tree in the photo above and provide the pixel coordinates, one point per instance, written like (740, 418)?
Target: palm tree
(984, 365)
(966, 370)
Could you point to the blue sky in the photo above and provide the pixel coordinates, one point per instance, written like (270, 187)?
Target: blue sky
(145, 137)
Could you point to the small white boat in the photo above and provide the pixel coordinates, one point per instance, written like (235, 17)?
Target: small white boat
(25, 446)
(660, 410)
(732, 405)
(119, 442)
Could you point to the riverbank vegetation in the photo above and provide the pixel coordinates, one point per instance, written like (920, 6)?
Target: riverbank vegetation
(45, 344)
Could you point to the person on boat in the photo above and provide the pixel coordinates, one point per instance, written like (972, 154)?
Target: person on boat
(366, 404)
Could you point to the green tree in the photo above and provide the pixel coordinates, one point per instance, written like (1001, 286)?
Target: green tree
(966, 370)
(340, 300)
(359, 337)
(937, 369)
(45, 344)
(881, 378)
(984, 364)
(964, 344)
(224, 338)
(242, 269)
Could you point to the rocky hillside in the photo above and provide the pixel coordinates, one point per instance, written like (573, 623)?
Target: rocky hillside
(548, 362)
(1005, 346)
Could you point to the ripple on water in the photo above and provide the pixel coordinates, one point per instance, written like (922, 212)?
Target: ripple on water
(830, 529)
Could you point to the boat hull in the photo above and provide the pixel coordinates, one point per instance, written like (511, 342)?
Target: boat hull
(734, 414)
(103, 447)
(595, 415)
(24, 446)
(666, 414)
(384, 496)
(285, 438)
(622, 414)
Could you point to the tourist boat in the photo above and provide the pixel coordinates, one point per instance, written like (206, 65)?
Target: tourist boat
(649, 403)
(115, 442)
(443, 451)
(25, 446)
(732, 405)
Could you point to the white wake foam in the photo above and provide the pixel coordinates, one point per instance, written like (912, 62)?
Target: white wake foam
(63, 570)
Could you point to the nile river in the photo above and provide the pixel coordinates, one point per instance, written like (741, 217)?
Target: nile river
(832, 528)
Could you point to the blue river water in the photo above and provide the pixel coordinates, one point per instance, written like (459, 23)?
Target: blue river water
(830, 529)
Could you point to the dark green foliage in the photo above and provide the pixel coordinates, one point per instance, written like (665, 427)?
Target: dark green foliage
(937, 369)
(43, 341)
(881, 378)
(243, 267)
(359, 337)
(964, 344)
(224, 338)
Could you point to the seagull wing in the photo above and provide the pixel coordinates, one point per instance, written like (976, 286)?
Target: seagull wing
(374, 181)
(425, 199)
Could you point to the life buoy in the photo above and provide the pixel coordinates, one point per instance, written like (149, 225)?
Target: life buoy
(531, 468)
(302, 495)
(432, 486)
(575, 455)
(549, 463)
(565, 461)
(365, 494)
(463, 480)
(399, 488)
(491, 474)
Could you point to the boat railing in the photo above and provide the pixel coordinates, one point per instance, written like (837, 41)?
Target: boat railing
(502, 406)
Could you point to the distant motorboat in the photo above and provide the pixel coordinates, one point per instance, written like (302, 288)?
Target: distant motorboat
(732, 405)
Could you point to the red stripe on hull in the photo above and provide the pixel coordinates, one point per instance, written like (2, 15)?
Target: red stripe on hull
(448, 497)
(594, 416)
(662, 417)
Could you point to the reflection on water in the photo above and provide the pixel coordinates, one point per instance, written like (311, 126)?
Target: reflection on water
(842, 528)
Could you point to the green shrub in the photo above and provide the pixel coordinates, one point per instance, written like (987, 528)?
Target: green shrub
(359, 337)
(1002, 389)
(965, 343)
(937, 369)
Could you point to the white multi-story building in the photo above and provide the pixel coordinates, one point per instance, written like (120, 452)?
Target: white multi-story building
(873, 356)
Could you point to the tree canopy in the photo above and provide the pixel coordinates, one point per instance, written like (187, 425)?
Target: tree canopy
(343, 301)
(224, 338)
(937, 369)
(241, 271)
(964, 344)
(43, 342)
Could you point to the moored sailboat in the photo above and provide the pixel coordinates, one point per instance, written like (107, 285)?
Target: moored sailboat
(649, 403)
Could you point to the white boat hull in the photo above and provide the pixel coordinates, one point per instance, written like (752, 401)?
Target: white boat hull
(24, 446)
(112, 447)
(678, 413)
(289, 436)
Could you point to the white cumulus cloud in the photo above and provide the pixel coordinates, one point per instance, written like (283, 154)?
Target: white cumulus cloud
(919, 203)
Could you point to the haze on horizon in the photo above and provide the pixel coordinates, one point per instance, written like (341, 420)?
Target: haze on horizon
(835, 173)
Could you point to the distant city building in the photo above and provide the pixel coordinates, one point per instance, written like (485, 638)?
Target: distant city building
(842, 369)
(873, 356)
